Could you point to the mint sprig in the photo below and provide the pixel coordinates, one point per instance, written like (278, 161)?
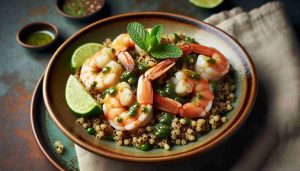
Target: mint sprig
(138, 34)
(165, 51)
(157, 32)
(150, 41)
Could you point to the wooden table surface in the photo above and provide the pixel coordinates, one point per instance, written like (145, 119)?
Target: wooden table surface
(20, 69)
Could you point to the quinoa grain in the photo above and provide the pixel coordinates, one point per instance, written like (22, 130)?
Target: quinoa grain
(182, 131)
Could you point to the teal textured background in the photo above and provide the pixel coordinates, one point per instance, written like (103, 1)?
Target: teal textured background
(20, 69)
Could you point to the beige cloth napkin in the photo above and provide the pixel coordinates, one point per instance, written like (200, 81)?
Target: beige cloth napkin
(266, 34)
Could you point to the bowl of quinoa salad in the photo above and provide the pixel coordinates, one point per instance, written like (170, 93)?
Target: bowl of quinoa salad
(149, 87)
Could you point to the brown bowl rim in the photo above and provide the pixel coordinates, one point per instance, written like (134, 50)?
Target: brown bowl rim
(56, 33)
(217, 140)
(60, 11)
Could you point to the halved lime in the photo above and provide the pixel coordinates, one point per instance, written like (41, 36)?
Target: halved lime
(84, 52)
(79, 100)
(206, 3)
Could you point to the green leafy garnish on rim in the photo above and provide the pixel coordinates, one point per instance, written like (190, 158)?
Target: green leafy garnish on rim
(150, 41)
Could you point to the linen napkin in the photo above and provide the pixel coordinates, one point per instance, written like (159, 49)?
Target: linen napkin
(275, 121)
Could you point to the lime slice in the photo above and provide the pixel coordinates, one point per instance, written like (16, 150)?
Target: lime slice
(79, 100)
(206, 3)
(84, 52)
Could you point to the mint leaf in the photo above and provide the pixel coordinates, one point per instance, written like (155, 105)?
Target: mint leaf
(157, 31)
(152, 43)
(138, 34)
(154, 37)
(149, 42)
(166, 51)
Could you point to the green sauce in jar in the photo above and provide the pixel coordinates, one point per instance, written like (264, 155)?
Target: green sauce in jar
(39, 38)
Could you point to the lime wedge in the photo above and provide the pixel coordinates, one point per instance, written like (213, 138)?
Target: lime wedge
(206, 3)
(84, 52)
(79, 100)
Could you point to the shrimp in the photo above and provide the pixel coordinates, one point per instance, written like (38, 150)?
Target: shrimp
(101, 71)
(199, 105)
(211, 63)
(139, 114)
(121, 44)
(184, 85)
(119, 108)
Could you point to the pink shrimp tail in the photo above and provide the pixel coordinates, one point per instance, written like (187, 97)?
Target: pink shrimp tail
(186, 49)
(159, 69)
(189, 110)
(203, 50)
(126, 60)
(144, 91)
(166, 104)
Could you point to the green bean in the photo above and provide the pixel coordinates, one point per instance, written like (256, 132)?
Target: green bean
(145, 147)
(188, 39)
(126, 75)
(180, 99)
(195, 76)
(110, 137)
(90, 131)
(169, 89)
(143, 67)
(132, 80)
(166, 119)
(161, 92)
(214, 86)
(176, 36)
(191, 58)
(162, 131)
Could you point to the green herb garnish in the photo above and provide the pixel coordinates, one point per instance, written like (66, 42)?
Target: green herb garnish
(94, 84)
(214, 86)
(143, 67)
(133, 110)
(195, 75)
(119, 119)
(211, 61)
(110, 91)
(189, 39)
(176, 36)
(191, 58)
(150, 42)
(144, 109)
(105, 69)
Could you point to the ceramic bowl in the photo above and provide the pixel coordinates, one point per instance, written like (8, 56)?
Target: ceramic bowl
(59, 5)
(36, 27)
(59, 69)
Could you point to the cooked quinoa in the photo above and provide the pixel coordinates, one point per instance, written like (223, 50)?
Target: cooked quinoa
(59, 147)
(180, 131)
